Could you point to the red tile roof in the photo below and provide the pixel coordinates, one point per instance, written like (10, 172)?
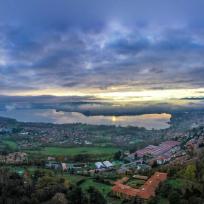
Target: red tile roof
(145, 191)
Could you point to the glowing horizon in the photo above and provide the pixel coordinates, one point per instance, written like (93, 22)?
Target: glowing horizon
(122, 96)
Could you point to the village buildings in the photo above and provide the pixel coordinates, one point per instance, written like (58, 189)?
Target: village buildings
(14, 158)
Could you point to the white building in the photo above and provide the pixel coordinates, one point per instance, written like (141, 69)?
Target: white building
(107, 164)
(99, 165)
(64, 166)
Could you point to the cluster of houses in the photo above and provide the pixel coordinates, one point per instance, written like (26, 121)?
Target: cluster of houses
(14, 158)
(142, 160)
(53, 164)
(43, 134)
(56, 165)
(78, 167)
(195, 143)
(142, 194)
(4, 130)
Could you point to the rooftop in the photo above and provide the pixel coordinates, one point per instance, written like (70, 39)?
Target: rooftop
(146, 191)
(157, 150)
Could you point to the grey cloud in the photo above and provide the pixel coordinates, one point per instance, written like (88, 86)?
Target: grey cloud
(85, 51)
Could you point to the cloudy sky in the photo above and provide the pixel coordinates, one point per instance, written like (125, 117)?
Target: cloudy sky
(112, 49)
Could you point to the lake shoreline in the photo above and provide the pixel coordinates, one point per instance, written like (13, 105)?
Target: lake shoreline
(148, 121)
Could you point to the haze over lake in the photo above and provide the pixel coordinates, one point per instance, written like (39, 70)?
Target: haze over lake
(148, 121)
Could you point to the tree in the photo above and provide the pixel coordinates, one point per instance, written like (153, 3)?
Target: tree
(196, 200)
(190, 172)
(76, 196)
(117, 155)
(59, 198)
(164, 189)
(153, 200)
(174, 197)
(95, 197)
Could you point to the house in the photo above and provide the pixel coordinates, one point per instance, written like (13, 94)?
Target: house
(130, 158)
(2, 158)
(16, 158)
(107, 164)
(99, 165)
(163, 159)
(53, 165)
(143, 167)
(51, 158)
(160, 160)
(64, 166)
(175, 149)
(87, 142)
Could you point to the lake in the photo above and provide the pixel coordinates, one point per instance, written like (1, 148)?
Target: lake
(148, 121)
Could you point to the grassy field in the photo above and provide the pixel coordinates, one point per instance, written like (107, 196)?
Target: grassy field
(103, 188)
(183, 184)
(11, 144)
(135, 183)
(73, 179)
(176, 183)
(73, 151)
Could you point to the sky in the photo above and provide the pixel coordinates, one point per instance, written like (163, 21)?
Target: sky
(114, 50)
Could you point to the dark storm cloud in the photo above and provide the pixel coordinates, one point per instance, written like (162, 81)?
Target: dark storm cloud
(44, 99)
(97, 44)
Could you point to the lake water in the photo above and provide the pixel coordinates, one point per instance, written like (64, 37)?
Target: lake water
(149, 121)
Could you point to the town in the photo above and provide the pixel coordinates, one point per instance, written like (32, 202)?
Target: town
(128, 173)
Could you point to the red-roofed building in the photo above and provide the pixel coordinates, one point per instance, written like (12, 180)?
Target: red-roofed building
(143, 193)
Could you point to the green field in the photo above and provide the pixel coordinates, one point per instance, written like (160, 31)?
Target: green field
(163, 201)
(11, 144)
(73, 179)
(135, 183)
(103, 188)
(73, 151)
(183, 184)
(87, 182)
(176, 183)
